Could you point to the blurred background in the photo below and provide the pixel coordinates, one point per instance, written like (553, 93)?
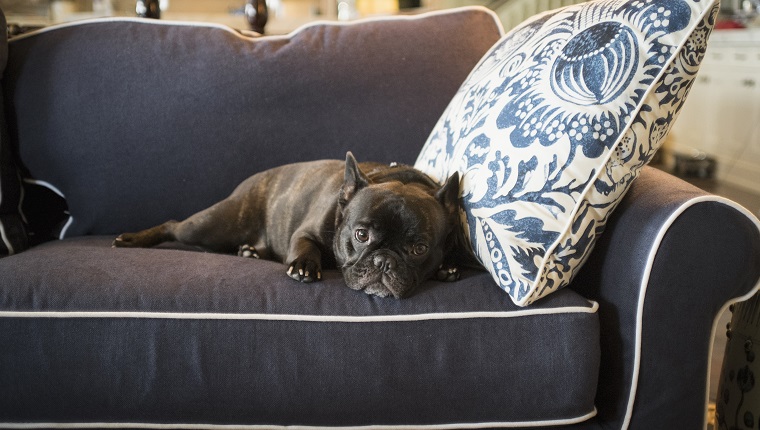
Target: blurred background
(282, 16)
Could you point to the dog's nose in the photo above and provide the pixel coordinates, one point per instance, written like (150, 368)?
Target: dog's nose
(385, 262)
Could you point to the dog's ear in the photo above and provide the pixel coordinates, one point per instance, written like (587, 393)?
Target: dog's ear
(448, 195)
(353, 181)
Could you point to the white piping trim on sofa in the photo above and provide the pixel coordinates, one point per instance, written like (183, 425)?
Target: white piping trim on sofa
(645, 283)
(241, 35)
(569, 421)
(45, 184)
(305, 318)
(7, 242)
(3, 235)
(22, 196)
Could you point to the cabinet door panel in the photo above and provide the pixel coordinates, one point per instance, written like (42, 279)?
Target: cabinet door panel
(696, 128)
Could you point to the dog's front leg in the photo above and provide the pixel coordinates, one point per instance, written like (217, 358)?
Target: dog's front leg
(304, 258)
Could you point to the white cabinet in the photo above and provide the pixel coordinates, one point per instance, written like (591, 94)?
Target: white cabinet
(721, 116)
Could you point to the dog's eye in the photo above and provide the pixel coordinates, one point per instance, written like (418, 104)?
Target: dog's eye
(420, 249)
(362, 235)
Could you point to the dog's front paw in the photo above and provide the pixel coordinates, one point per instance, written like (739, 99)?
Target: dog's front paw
(447, 274)
(305, 270)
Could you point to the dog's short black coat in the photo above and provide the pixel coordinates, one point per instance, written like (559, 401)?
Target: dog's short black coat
(388, 228)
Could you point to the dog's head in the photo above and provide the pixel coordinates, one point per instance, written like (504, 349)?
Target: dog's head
(392, 232)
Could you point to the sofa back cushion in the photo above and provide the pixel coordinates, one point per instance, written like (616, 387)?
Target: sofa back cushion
(137, 121)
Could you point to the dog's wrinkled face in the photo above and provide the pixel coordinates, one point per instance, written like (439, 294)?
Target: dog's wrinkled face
(391, 236)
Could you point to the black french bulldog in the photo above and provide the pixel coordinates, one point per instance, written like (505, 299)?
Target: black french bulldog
(387, 229)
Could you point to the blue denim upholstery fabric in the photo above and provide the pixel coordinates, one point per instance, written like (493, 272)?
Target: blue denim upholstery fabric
(145, 121)
(184, 337)
(655, 297)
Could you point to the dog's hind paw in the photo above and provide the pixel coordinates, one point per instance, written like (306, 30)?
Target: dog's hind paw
(447, 274)
(127, 240)
(247, 251)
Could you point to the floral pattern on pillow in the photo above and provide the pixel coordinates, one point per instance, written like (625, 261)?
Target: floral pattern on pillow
(554, 124)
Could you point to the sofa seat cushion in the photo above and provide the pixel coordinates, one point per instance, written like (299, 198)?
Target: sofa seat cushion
(96, 334)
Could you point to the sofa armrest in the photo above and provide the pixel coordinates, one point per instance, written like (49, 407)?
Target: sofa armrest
(671, 258)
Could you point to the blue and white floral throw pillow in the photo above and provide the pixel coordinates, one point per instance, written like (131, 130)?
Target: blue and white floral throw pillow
(555, 122)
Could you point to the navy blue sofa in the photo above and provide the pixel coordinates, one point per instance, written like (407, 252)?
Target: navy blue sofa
(117, 125)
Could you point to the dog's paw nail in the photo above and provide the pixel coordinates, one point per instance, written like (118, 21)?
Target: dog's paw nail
(319, 276)
(290, 270)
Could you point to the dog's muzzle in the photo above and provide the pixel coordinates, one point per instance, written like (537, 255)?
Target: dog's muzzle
(381, 274)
